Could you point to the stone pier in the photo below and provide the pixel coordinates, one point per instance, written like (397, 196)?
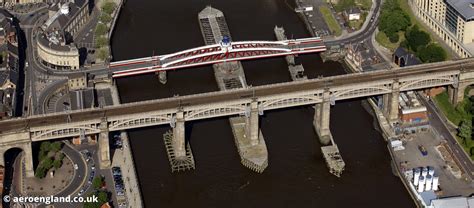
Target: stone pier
(230, 75)
(390, 103)
(321, 119)
(179, 153)
(296, 70)
(104, 147)
(179, 137)
(162, 77)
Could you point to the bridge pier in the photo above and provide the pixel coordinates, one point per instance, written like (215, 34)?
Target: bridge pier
(321, 119)
(179, 137)
(390, 103)
(251, 124)
(104, 146)
(162, 77)
(456, 92)
(28, 160)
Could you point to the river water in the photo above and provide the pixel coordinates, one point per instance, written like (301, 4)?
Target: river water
(297, 175)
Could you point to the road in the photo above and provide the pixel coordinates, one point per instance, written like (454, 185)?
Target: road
(440, 125)
(225, 96)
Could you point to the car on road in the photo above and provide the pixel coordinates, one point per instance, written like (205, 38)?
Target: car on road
(76, 167)
(80, 192)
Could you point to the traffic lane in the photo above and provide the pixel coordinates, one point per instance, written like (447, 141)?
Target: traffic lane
(437, 122)
(214, 97)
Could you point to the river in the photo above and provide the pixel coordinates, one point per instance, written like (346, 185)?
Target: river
(297, 175)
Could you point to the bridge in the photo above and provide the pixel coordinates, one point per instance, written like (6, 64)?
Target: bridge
(251, 102)
(225, 51)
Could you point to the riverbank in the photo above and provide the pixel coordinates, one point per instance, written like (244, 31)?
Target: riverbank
(123, 158)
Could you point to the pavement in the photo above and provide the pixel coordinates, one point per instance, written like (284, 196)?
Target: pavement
(438, 122)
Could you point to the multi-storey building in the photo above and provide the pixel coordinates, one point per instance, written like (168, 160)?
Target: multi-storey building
(451, 20)
(54, 42)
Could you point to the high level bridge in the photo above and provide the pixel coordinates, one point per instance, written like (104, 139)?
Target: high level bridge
(225, 51)
(251, 102)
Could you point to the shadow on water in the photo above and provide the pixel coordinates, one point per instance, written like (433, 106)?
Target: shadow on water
(297, 175)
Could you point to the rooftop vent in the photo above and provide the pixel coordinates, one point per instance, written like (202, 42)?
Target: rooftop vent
(65, 9)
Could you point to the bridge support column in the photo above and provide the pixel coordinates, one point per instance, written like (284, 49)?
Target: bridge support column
(104, 146)
(179, 137)
(28, 160)
(162, 77)
(252, 130)
(321, 119)
(456, 92)
(390, 104)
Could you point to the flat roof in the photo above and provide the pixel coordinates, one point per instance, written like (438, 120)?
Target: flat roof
(463, 7)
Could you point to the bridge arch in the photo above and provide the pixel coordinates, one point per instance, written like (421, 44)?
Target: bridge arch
(64, 132)
(226, 110)
(147, 120)
(422, 83)
(274, 103)
(360, 90)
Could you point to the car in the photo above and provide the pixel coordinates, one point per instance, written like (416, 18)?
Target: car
(120, 193)
(80, 192)
(93, 167)
(76, 167)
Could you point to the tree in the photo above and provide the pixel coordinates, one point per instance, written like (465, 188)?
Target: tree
(105, 18)
(431, 53)
(344, 4)
(465, 131)
(393, 37)
(108, 7)
(55, 147)
(100, 29)
(101, 42)
(417, 38)
(98, 182)
(57, 163)
(103, 53)
(102, 197)
(393, 21)
(45, 146)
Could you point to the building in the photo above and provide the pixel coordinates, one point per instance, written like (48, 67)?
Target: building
(77, 81)
(9, 67)
(402, 58)
(360, 56)
(352, 13)
(82, 99)
(413, 115)
(450, 20)
(54, 42)
(453, 202)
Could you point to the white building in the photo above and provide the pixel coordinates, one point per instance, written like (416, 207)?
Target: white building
(450, 20)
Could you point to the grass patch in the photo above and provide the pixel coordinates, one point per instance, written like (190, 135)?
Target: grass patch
(385, 42)
(455, 115)
(365, 4)
(330, 20)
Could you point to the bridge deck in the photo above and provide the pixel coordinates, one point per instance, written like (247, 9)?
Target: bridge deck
(216, 97)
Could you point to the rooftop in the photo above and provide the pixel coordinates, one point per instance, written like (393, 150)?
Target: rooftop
(210, 12)
(463, 7)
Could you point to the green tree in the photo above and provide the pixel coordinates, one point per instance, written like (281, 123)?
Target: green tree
(55, 146)
(431, 53)
(102, 197)
(393, 37)
(103, 53)
(40, 172)
(100, 29)
(393, 21)
(47, 163)
(105, 18)
(45, 146)
(101, 42)
(57, 163)
(344, 4)
(108, 7)
(465, 131)
(417, 38)
(98, 182)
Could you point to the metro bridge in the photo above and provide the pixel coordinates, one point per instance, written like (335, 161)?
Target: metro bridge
(211, 54)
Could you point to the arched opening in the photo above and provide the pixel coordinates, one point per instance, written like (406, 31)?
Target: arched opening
(12, 165)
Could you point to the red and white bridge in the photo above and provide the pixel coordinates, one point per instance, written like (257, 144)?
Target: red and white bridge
(217, 53)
